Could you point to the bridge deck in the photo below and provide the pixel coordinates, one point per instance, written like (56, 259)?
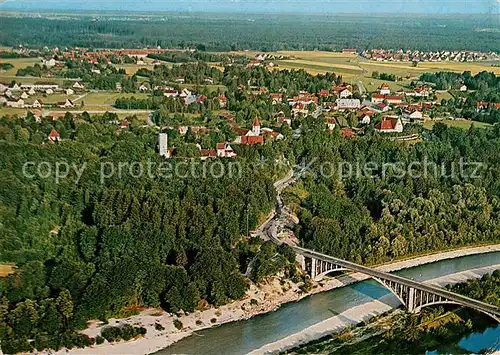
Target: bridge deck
(466, 301)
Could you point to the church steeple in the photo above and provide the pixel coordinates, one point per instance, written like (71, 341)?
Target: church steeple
(256, 126)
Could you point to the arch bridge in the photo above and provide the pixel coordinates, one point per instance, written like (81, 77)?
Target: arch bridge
(414, 295)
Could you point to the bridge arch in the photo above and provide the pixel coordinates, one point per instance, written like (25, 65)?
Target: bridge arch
(324, 273)
(419, 308)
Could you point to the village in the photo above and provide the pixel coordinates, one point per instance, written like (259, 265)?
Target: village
(346, 109)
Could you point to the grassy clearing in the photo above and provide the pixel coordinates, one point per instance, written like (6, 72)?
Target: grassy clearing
(443, 95)
(108, 98)
(7, 269)
(372, 84)
(457, 124)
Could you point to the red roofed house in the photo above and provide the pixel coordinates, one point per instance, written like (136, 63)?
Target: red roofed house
(54, 136)
(208, 153)
(385, 90)
(378, 98)
(324, 93)
(282, 120)
(330, 122)
(251, 140)
(124, 124)
(222, 101)
(224, 150)
(349, 51)
(347, 132)
(277, 98)
(389, 125)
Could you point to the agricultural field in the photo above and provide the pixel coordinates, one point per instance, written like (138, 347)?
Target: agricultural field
(20, 63)
(104, 98)
(353, 67)
(457, 124)
(131, 69)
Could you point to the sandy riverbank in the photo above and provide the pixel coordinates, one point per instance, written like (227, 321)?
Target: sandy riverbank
(268, 297)
(359, 314)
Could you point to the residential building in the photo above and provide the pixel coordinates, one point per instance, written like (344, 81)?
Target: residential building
(330, 122)
(277, 98)
(390, 125)
(54, 136)
(15, 103)
(66, 104)
(378, 98)
(385, 90)
(78, 85)
(348, 104)
(70, 92)
(222, 101)
(344, 94)
(394, 99)
(224, 150)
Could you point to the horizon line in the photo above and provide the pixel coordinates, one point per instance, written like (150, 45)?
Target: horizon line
(152, 12)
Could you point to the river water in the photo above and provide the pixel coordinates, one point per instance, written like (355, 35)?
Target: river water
(248, 335)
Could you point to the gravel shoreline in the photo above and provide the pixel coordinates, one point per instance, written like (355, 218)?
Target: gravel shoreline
(269, 297)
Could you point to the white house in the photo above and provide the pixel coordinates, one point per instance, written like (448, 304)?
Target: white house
(415, 115)
(169, 92)
(40, 87)
(78, 85)
(344, 94)
(36, 104)
(330, 122)
(385, 90)
(143, 88)
(3, 87)
(463, 88)
(70, 92)
(32, 92)
(15, 87)
(66, 104)
(49, 63)
(348, 104)
(365, 119)
(49, 91)
(24, 95)
(224, 150)
(17, 104)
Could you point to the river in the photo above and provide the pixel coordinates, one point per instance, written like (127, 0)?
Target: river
(246, 336)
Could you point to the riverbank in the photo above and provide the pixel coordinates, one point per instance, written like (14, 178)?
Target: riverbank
(266, 298)
(361, 313)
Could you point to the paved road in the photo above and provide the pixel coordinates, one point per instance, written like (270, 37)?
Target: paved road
(271, 228)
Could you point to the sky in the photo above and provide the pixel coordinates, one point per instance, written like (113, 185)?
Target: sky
(260, 6)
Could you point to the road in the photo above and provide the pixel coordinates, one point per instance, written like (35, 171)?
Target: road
(277, 222)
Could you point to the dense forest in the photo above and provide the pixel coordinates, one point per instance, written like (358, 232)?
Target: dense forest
(484, 87)
(371, 219)
(87, 249)
(218, 32)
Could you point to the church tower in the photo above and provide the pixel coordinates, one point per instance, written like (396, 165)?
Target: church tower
(256, 126)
